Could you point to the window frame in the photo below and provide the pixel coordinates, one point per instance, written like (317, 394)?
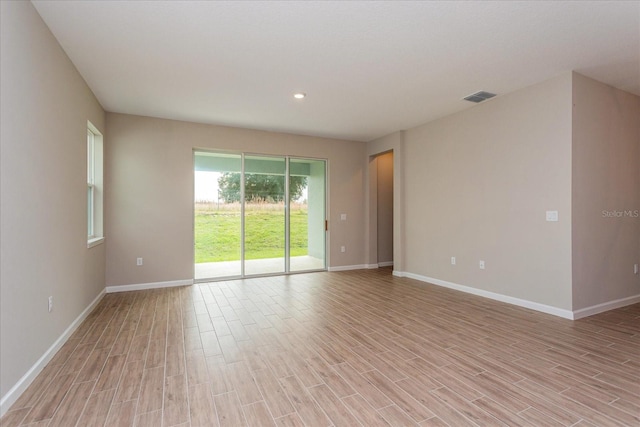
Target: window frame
(95, 235)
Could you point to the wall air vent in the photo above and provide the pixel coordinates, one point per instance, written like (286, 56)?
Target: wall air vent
(479, 96)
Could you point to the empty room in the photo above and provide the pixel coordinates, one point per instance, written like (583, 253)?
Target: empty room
(319, 213)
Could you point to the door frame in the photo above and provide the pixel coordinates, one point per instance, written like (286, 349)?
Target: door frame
(287, 159)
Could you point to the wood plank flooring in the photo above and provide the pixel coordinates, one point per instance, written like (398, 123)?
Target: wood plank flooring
(335, 349)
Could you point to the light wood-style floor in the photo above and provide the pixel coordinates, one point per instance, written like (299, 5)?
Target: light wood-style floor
(349, 348)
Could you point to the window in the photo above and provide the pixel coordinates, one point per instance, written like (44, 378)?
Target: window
(94, 186)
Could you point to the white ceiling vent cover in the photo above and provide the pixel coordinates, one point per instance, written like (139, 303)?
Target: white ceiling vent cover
(479, 96)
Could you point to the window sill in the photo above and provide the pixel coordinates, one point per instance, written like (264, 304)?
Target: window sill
(95, 242)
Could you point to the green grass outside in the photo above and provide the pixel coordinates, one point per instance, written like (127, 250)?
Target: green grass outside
(217, 234)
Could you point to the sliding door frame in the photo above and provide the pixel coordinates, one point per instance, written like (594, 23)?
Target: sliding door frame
(287, 209)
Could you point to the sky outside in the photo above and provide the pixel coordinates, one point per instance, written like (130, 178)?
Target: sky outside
(206, 186)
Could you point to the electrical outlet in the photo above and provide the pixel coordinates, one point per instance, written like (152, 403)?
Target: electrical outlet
(343, 217)
(551, 216)
(50, 304)
(343, 249)
(453, 260)
(139, 261)
(481, 265)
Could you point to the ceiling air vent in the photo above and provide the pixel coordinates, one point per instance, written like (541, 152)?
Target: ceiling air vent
(479, 96)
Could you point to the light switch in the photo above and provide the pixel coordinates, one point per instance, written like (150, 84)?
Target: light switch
(343, 217)
(552, 216)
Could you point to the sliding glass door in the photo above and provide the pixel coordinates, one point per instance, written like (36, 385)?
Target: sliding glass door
(217, 215)
(258, 215)
(307, 214)
(264, 215)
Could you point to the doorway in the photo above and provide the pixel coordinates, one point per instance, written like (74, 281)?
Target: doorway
(258, 215)
(385, 209)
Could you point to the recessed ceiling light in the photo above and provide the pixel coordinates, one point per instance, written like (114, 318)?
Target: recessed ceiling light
(299, 95)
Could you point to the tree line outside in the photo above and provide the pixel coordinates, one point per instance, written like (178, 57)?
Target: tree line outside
(259, 188)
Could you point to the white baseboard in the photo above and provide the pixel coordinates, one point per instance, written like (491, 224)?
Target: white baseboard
(398, 273)
(606, 306)
(349, 267)
(153, 285)
(385, 264)
(14, 393)
(567, 314)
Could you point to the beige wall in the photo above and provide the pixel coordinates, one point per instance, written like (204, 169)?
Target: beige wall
(384, 174)
(606, 180)
(44, 113)
(150, 199)
(477, 185)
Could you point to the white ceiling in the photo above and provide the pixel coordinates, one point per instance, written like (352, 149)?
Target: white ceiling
(369, 68)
